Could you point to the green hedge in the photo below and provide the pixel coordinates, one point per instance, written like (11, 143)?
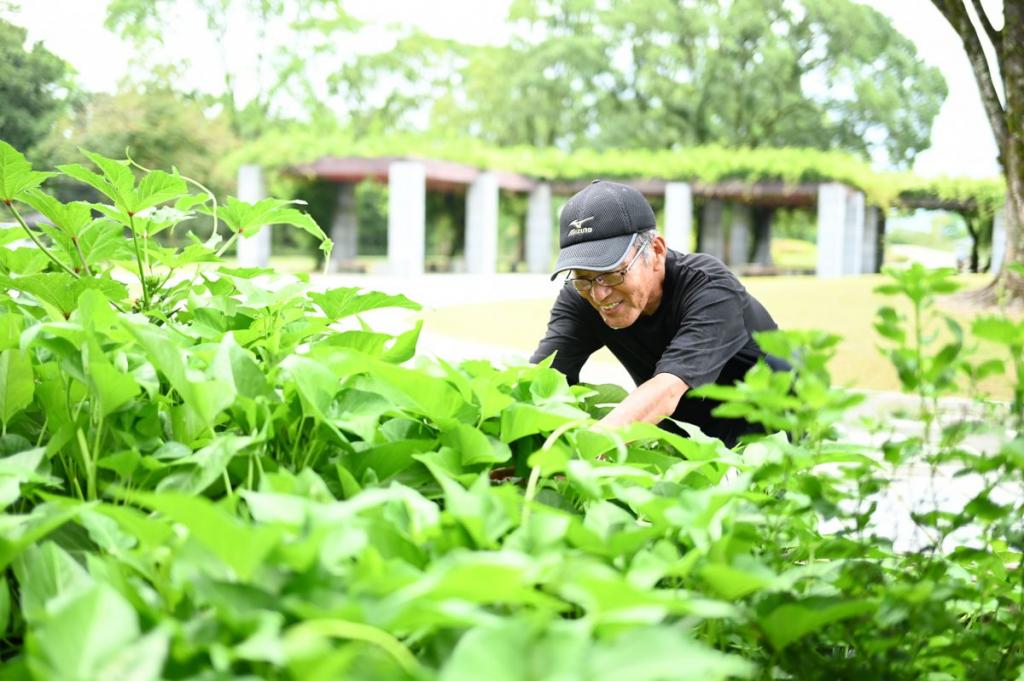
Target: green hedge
(293, 146)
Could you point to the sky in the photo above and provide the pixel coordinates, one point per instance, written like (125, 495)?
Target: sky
(962, 142)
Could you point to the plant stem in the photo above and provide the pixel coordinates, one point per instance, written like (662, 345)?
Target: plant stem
(38, 243)
(204, 189)
(138, 259)
(187, 179)
(531, 484)
(90, 467)
(42, 431)
(81, 255)
(227, 245)
(357, 631)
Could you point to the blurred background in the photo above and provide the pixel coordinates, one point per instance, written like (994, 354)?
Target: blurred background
(562, 89)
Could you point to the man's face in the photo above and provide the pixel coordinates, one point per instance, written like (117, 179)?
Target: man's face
(638, 294)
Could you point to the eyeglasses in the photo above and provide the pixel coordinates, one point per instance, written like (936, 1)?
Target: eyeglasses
(584, 284)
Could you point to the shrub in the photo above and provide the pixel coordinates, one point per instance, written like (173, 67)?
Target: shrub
(213, 473)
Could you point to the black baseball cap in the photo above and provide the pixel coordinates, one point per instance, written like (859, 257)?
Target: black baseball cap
(598, 226)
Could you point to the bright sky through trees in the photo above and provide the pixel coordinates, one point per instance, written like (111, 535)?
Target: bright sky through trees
(961, 140)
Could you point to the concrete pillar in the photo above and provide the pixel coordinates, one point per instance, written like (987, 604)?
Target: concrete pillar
(407, 217)
(763, 235)
(853, 239)
(999, 238)
(869, 248)
(712, 235)
(831, 229)
(344, 229)
(482, 225)
(538, 229)
(739, 234)
(253, 251)
(880, 241)
(678, 225)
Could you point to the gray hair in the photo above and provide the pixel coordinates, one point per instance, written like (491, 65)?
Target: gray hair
(643, 239)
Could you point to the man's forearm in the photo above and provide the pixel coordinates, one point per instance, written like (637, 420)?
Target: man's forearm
(652, 401)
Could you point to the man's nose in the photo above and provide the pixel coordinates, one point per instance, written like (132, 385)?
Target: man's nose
(599, 292)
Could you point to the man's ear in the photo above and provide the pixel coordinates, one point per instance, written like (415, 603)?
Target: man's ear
(660, 249)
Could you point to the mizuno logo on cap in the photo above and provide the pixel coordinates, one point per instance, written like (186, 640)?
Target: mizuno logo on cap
(578, 228)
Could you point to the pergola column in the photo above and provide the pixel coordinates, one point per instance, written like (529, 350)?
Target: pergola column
(853, 239)
(712, 235)
(840, 230)
(739, 234)
(253, 251)
(869, 247)
(482, 225)
(538, 229)
(880, 240)
(679, 216)
(763, 235)
(999, 238)
(344, 228)
(407, 217)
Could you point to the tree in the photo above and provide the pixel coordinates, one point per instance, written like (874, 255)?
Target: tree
(33, 88)
(996, 55)
(664, 74)
(399, 87)
(160, 127)
(269, 50)
(541, 92)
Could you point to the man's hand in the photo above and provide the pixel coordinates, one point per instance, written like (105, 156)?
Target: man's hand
(652, 401)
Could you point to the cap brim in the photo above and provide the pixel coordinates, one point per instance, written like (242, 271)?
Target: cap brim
(602, 255)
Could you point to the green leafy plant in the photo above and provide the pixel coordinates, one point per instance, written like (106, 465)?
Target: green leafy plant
(219, 474)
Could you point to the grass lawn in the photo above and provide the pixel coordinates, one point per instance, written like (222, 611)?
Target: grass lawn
(794, 254)
(842, 306)
(286, 264)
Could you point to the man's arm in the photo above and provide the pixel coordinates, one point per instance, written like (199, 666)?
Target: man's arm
(652, 401)
(569, 334)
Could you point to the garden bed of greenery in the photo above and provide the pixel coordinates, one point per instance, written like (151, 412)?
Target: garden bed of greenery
(845, 307)
(214, 473)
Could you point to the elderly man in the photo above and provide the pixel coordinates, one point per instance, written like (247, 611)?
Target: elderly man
(676, 321)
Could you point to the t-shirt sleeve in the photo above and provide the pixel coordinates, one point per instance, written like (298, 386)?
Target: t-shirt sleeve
(569, 336)
(710, 333)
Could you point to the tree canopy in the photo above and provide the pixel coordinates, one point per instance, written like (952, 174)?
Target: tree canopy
(651, 74)
(33, 87)
(160, 128)
(270, 52)
(656, 74)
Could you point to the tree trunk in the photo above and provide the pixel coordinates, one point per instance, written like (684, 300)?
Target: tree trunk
(1013, 81)
(975, 232)
(1006, 118)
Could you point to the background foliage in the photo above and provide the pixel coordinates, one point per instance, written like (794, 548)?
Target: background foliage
(659, 75)
(33, 86)
(639, 89)
(295, 146)
(155, 123)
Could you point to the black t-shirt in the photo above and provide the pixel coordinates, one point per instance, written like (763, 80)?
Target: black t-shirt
(701, 332)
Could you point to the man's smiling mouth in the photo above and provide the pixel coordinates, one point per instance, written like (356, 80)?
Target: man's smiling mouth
(610, 306)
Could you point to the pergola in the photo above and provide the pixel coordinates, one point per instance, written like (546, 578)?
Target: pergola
(733, 222)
